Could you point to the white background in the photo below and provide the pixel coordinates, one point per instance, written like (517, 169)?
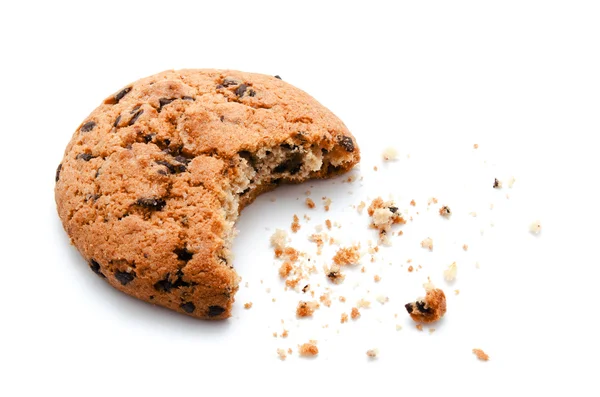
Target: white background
(519, 78)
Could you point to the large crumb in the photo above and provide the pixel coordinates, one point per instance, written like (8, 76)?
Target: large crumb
(535, 227)
(430, 309)
(354, 313)
(347, 256)
(383, 215)
(285, 269)
(309, 203)
(450, 272)
(309, 349)
(295, 224)
(445, 211)
(281, 353)
(481, 355)
(372, 353)
(390, 154)
(306, 309)
(427, 243)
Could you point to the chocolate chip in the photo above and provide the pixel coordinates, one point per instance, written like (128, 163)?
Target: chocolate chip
(182, 159)
(215, 311)
(173, 169)
(222, 118)
(188, 98)
(291, 165)
(421, 307)
(409, 308)
(277, 77)
(87, 127)
(148, 138)
(219, 86)
(188, 307)
(121, 94)
(164, 102)
(84, 156)
(95, 266)
(346, 142)
(393, 209)
(155, 204)
(496, 183)
(58, 172)
(251, 92)
(183, 254)
(164, 285)
(241, 90)
(116, 123)
(227, 82)
(92, 197)
(123, 277)
(136, 116)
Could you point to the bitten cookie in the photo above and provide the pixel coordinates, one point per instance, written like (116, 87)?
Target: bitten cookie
(153, 180)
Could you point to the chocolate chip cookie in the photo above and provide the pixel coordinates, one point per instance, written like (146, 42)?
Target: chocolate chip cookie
(153, 180)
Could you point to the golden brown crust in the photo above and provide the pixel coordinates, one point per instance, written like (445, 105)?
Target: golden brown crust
(145, 188)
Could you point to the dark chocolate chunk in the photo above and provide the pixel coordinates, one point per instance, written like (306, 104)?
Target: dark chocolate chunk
(116, 123)
(251, 92)
(57, 177)
(393, 209)
(215, 311)
(496, 183)
(222, 118)
(164, 285)
(346, 142)
(188, 307)
(155, 204)
(183, 254)
(291, 165)
(188, 98)
(228, 82)
(183, 160)
(95, 266)
(121, 94)
(136, 116)
(148, 138)
(87, 127)
(219, 86)
(123, 277)
(164, 102)
(173, 169)
(84, 156)
(421, 307)
(277, 77)
(409, 308)
(92, 197)
(241, 90)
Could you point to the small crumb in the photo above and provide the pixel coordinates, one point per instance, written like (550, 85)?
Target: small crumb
(481, 355)
(412, 202)
(450, 272)
(372, 353)
(375, 168)
(362, 269)
(427, 243)
(344, 318)
(272, 199)
(305, 288)
(377, 278)
(308, 349)
(295, 224)
(290, 351)
(328, 224)
(247, 305)
(398, 327)
(307, 192)
(419, 327)
(279, 240)
(285, 269)
(347, 256)
(326, 203)
(465, 247)
(309, 203)
(410, 269)
(354, 313)
(246, 284)
(334, 274)
(475, 146)
(342, 299)
(535, 227)
(473, 214)
(445, 211)
(281, 354)
(361, 207)
(431, 330)
(363, 304)
(497, 184)
(306, 309)
(456, 291)
(408, 260)
(511, 182)
(382, 299)
(432, 200)
(284, 334)
(274, 334)
(306, 217)
(390, 154)
(325, 300)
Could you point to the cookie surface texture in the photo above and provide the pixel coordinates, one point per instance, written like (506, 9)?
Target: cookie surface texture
(153, 180)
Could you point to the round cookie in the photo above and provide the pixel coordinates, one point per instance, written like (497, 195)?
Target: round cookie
(153, 180)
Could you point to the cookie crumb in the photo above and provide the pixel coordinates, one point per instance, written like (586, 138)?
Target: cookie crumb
(281, 354)
(445, 211)
(295, 224)
(334, 274)
(308, 349)
(465, 247)
(328, 224)
(450, 272)
(361, 207)
(284, 334)
(511, 182)
(410, 269)
(383, 215)
(279, 241)
(285, 269)
(398, 327)
(481, 354)
(305, 288)
(325, 300)
(306, 309)
(347, 256)
(432, 200)
(247, 305)
(326, 203)
(375, 168)
(372, 353)
(377, 278)
(412, 202)
(365, 304)
(535, 227)
(427, 243)
(419, 327)
(429, 309)
(390, 154)
(475, 146)
(354, 314)
(309, 203)
(344, 318)
(456, 291)
(497, 184)
(342, 299)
